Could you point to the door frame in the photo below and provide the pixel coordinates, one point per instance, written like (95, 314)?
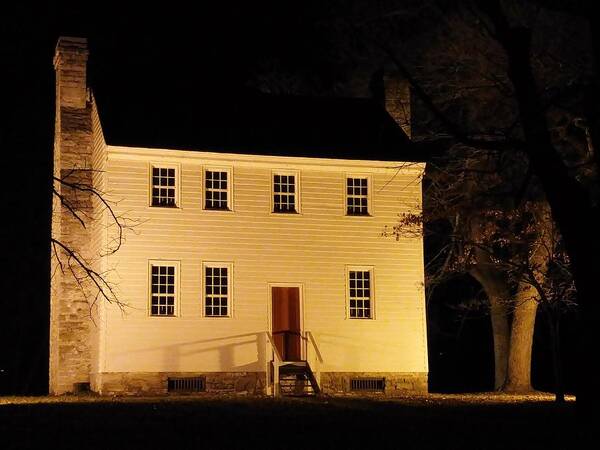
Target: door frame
(300, 287)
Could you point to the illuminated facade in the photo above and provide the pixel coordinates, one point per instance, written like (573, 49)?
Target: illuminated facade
(242, 271)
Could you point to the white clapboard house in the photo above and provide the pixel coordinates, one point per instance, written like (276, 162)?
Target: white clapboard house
(256, 264)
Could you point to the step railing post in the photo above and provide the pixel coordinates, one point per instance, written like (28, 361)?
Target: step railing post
(276, 360)
(276, 384)
(316, 359)
(268, 362)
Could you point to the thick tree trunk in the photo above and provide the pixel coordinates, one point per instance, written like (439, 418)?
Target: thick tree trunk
(521, 340)
(527, 298)
(501, 334)
(496, 288)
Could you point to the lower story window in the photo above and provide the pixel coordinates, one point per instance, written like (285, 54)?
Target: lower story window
(163, 289)
(360, 294)
(217, 292)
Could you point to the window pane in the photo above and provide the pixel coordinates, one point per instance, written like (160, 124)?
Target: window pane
(163, 290)
(216, 292)
(359, 294)
(357, 196)
(216, 190)
(163, 186)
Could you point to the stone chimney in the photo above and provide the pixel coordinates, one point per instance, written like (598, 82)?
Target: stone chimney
(398, 101)
(70, 322)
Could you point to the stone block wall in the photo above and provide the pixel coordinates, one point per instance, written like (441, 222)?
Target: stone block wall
(70, 322)
(252, 383)
(155, 383)
(396, 384)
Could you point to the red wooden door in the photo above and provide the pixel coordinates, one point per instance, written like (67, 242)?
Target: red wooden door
(286, 322)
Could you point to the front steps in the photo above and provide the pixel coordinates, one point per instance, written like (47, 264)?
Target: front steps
(296, 379)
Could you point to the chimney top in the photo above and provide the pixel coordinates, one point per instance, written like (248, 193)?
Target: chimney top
(72, 46)
(67, 41)
(70, 64)
(398, 101)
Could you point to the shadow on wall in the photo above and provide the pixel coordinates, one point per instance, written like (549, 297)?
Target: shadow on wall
(250, 347)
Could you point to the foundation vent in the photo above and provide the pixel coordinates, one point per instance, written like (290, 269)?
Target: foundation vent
(367, 384)
(189, 384)
(81, 388)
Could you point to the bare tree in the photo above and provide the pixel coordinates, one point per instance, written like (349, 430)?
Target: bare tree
(495, 214)
(540, 60)
(94, 283)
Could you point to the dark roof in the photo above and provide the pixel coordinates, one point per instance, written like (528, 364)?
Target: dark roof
(251, 122)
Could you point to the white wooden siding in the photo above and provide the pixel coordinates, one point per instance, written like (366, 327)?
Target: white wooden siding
(312, 249)
(98, 244)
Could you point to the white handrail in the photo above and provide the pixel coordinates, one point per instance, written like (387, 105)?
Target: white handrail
(311, 353)
(318, 358)
(277, 360)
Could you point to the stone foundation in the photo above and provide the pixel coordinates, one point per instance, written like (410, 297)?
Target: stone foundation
(155, 383)
(396, 383)
(252, 383)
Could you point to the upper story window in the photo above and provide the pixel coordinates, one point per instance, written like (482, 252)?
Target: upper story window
(357, 196)
(217, 189)
(285, 192)
(164, 186)
(163, 288)
(217, 289)
(360, 293)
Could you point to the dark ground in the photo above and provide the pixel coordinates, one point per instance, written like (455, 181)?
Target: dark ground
(447, 422)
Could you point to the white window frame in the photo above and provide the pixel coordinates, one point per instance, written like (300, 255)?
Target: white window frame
(297, 189)
(229, 171)
(371, 271)
(369, 194)
(160, 165)
(167, 263)
(218, 264)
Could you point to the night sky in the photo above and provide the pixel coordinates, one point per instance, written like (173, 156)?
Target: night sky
(222, 53)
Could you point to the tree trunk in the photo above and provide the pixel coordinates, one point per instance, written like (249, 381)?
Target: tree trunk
(527, 298)
(521, 340)
(501, 334)
(498, 294)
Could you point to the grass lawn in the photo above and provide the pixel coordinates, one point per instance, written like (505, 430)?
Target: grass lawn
(479, 421)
